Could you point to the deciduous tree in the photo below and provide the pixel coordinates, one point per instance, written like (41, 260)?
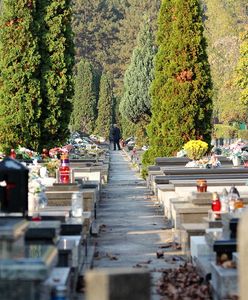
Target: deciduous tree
(224, 19)
(242, 69)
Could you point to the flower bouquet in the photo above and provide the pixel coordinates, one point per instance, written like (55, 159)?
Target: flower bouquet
(57, 152)
(25, 153)
(235, 153)
(195, 149)
(52, 164)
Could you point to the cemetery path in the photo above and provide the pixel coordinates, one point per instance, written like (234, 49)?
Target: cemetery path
(132, 228)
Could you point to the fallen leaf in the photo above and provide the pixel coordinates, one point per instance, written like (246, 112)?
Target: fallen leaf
(111, 257)
(168, 245)
(146, 262)
(160, 254)
(171, 289)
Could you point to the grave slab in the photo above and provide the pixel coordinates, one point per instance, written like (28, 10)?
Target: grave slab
(223, 282)
(117, 284)
(187, 213)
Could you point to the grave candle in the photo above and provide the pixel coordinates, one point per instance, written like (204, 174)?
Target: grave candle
(64, 169)
(216, 204)
(201, 185)
(12, 154)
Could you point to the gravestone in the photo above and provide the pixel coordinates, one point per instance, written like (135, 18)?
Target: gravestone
(23, 268)
(117, 284)
(13, 186)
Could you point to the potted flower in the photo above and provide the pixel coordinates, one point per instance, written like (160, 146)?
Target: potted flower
(195, 150)
(52, 165)
(236, 153)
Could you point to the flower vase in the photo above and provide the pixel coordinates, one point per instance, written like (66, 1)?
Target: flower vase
(236, 161)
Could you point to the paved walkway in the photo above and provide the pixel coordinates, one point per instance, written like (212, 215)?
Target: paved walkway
(132, 227)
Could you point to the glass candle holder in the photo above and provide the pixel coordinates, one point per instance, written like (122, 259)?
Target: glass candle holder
(201, 185)
(77, 204)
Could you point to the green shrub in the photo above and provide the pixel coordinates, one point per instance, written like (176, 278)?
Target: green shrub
(224, 131)
(144, 172)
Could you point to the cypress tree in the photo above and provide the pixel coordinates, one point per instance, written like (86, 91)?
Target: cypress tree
(57, 60)
(181, 103)
(128, 127)
(136, 101)
(105, 106)
(85, 99)
(20, 98)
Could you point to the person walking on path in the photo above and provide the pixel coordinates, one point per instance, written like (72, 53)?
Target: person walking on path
(116, 136)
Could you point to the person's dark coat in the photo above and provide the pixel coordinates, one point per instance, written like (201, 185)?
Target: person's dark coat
(116, 134)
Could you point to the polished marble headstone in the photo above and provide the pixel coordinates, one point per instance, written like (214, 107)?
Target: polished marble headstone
(43, 232)
(13, 187)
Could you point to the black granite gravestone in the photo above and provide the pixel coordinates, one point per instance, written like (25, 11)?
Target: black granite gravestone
(13, 186)
(233, 225)
(224, 247)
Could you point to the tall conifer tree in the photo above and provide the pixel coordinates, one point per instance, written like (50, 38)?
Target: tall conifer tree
(134, 13)
(85, 99)
(135, 104)
(57, 60)
(20, 97)
(105, 106)
(181, 90)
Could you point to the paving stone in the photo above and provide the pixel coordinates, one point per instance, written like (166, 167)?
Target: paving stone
(132, 228)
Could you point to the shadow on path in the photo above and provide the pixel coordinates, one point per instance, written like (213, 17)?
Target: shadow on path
(132, 227)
